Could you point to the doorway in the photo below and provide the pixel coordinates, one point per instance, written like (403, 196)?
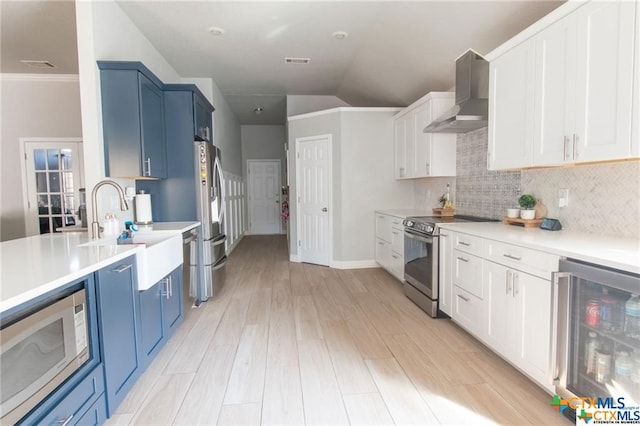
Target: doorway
(313, 182)
(53, 175)
(264, 196)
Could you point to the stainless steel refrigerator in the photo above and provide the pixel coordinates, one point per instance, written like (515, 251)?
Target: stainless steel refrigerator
(210, 207)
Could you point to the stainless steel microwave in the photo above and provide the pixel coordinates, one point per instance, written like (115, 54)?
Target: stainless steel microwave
(39, 349)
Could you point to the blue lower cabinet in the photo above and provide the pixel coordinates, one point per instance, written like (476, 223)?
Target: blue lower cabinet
(160, 314)
(118, 328)
(70, 409)
(96, 414)
(172, 304)
(151, 329)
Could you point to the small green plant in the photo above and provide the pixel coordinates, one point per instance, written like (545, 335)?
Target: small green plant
(527, 201)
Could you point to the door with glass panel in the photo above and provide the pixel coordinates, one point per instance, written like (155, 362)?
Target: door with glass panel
(54, 178)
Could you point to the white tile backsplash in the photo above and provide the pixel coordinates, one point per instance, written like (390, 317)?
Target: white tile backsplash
(604, 199)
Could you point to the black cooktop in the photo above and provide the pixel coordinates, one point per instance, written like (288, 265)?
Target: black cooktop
(450, 219)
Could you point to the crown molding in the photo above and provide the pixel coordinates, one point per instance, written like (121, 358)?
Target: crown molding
(39, 77)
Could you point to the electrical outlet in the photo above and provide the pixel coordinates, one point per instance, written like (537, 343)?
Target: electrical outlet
(563, 197)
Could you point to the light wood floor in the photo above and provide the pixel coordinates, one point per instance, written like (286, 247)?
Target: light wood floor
(288, 343)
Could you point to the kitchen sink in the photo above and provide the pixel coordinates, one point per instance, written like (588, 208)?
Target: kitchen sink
(161, 255)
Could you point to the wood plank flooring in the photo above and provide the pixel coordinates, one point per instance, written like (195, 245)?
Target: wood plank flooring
(292, 344)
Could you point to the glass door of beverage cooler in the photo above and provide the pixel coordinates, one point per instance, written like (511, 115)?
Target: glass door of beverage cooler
(602, 342)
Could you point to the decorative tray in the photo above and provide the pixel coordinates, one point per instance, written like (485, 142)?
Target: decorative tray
(443, 212)
(527, 223)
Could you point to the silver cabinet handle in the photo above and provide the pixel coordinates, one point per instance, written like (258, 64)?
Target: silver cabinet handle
(508, 281)
(514, 279)
(576, 140)
(565, 154)
(464, 243)
(444, 235)
(122, 268)
(394, 233)
(463, 259)
(65, 422)
(394, 256)
(463, 298)
(146, 163)
(509, 256)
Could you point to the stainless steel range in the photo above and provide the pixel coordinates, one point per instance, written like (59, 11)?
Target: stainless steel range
(421, 258)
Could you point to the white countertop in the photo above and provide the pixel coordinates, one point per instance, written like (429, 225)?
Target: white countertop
(33, 266)
(614, 252)
(405, 213)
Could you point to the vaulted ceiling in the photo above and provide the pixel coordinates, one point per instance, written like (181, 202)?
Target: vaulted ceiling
(394, 53)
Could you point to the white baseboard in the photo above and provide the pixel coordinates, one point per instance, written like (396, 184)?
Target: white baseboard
(353, 264)
(294, 258)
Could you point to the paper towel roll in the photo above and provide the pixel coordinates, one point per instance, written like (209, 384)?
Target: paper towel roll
(143, 209)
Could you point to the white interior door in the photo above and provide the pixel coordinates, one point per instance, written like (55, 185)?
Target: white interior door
(313, 186)
(264, 196)
(53, 175)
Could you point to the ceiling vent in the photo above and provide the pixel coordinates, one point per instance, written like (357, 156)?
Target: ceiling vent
(297, 60)
(37, 64)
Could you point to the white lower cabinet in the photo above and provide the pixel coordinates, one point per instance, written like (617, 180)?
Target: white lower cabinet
(501, 294)
(518, 324)
(390, 244)
(445, 273)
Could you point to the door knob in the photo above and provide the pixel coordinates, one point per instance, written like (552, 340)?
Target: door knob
(324, 209)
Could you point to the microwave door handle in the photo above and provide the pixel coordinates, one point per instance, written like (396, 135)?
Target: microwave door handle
(559, 324)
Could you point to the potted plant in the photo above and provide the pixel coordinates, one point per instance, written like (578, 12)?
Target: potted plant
(527, 202)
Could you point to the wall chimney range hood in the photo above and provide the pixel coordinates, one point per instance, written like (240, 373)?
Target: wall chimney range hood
(472, 92)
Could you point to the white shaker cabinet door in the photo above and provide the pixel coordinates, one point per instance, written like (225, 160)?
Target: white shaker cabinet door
(604, 80)
(511, 108)
(553, 107)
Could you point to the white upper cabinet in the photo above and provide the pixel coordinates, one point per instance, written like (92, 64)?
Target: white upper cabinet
(583, 72)
(419, 154)
(511, 108)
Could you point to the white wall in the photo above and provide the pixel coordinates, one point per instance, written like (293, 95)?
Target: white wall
(362, 177)
(32, 106)
(105, 32)
(263, 143)
(303, 104)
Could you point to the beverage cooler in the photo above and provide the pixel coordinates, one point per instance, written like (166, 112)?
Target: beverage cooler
(598, 334)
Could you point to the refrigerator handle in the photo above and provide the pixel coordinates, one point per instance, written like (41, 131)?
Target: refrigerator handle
(559, 320)
(218, 169)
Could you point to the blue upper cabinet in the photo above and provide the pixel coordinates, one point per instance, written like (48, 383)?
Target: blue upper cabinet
(203, 117)
(133, 121)
(198, 116)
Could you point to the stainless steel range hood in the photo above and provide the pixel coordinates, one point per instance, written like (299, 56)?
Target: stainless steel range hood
(472, 92)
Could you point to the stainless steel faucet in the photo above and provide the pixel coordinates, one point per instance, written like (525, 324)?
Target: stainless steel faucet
(95, 225)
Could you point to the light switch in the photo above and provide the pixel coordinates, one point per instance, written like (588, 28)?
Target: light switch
(563, 197)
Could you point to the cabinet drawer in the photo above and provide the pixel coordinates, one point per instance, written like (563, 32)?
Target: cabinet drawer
(383, 227)
(467, 272)
(383, 253)
(397, 240)
(78, 400)
(523, 259)
(467, 310)
(96, 414)
(397, 265)
(467, 243)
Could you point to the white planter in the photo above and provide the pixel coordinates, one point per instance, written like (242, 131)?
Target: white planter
(527, 214)
(513, 213)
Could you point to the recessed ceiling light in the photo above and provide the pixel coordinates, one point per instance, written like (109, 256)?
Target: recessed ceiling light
(216, 31)
(258, 110)
(37, 64)
(340, 35)
(297, 60)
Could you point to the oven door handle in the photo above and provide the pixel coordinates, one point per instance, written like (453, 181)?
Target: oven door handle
(419, 237)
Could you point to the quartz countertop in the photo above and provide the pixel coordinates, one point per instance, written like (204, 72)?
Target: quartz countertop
(613, 252)
(405, 213)
(33, 266)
